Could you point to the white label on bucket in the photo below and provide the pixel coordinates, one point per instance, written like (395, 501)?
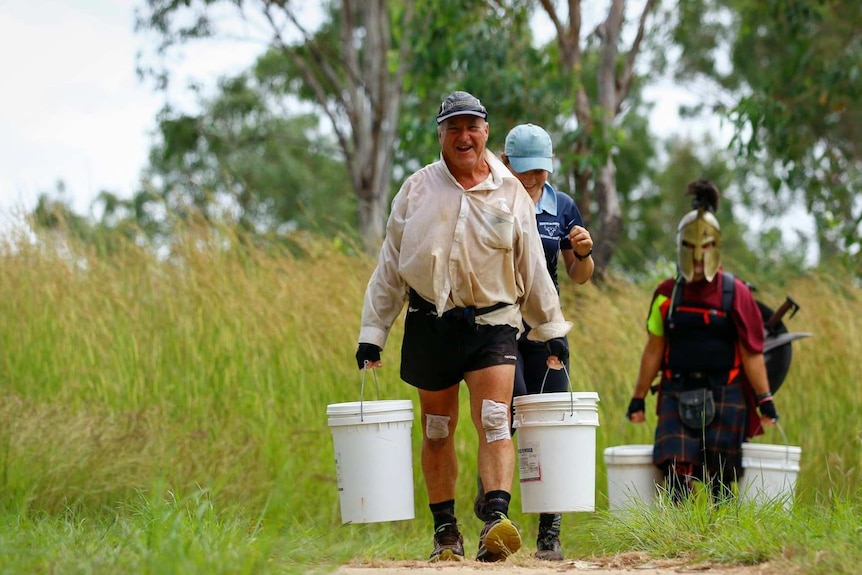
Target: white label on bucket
(339, 480)
(528, 462)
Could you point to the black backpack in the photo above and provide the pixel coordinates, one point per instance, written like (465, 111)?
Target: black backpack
(777, 358)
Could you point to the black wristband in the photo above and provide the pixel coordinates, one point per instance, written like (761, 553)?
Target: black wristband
(583, 257)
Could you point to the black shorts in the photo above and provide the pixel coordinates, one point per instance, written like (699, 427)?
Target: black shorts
(437, 352)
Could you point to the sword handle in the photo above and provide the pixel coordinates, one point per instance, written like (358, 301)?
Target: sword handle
(787, 305)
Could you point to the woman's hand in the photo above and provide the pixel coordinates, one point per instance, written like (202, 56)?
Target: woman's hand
(582, 241)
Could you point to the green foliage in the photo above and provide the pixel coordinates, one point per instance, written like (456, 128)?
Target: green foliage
(56, 218)
(52, 211)
(347, 68)
(793, 77)
(786, 71)
(806, 105)
(493, 53)
(242, 152)
(470, 45)
(655, 212)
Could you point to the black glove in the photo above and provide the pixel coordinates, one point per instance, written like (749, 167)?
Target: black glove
(767, 409)
(558, 347)
(367, 352)
(635, 405)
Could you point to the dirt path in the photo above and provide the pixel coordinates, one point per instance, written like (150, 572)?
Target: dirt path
(626, 564)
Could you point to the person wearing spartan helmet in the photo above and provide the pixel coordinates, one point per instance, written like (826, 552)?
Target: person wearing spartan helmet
(705, 341)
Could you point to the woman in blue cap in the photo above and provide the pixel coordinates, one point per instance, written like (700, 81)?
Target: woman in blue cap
(529, 155)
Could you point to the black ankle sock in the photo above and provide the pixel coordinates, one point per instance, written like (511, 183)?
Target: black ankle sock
(497, 501)
(443, 512)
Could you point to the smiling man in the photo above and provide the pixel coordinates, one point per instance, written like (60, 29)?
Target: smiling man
(463, 249)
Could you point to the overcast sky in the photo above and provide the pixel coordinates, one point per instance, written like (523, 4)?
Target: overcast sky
(72, 107)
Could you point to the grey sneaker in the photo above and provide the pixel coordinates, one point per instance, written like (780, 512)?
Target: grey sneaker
(548, 546)
(499, 539)
(448, 544)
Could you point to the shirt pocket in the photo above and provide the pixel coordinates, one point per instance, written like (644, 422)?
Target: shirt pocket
(494, 227)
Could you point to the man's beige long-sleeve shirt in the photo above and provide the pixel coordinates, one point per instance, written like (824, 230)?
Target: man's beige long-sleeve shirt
(460, 248)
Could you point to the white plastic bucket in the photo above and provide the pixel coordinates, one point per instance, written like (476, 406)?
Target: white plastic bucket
(373, 459)
(632, 477)
(769, 472)
(557, 451)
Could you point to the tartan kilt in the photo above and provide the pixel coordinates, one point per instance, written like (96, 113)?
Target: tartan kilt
(718, 446)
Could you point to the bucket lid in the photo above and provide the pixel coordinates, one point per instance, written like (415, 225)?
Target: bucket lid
(641, 453)
(579, 398)
(359, 412)
(562, 408)
(369, 407)
(769, 451)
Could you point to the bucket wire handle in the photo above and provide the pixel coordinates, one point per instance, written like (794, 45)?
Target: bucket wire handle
(568, 379)
(786, 443)
(362, 390)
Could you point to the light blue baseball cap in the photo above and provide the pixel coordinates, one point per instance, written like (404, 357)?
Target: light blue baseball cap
(528, 147)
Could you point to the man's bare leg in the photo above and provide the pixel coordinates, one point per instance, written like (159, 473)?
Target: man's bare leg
(490, 408)
(440, 468)
(439, 462)
(496, 457)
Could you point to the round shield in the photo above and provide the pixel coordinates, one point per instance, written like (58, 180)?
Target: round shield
(778, 358)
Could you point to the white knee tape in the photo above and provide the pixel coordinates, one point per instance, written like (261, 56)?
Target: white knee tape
(437, 426)
(495, 420)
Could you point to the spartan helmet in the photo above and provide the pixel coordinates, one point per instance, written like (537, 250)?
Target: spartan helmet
(698, 236)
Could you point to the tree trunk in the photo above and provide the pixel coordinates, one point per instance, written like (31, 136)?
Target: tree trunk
(360, 93)
(605, 183)
(595, 122)
(356, 80)
(372, 215)
(373, 103)
(611, 217)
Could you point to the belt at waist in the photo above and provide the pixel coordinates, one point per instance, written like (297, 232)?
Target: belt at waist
(680, 381)
(421, 304)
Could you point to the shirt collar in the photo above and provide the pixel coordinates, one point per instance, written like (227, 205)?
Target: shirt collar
(498, 172)
(548, 201)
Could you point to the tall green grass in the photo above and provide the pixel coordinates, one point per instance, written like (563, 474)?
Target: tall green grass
(168, 413)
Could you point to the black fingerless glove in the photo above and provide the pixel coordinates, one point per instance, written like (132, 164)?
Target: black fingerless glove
(367, 352)
(635, 405)
(558, 347)
(767, 407)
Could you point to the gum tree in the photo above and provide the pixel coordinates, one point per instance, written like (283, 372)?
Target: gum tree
(794, 95)
(352, 67)
(594, 169)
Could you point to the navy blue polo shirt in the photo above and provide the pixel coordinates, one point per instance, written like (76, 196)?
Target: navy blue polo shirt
(556, 215)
